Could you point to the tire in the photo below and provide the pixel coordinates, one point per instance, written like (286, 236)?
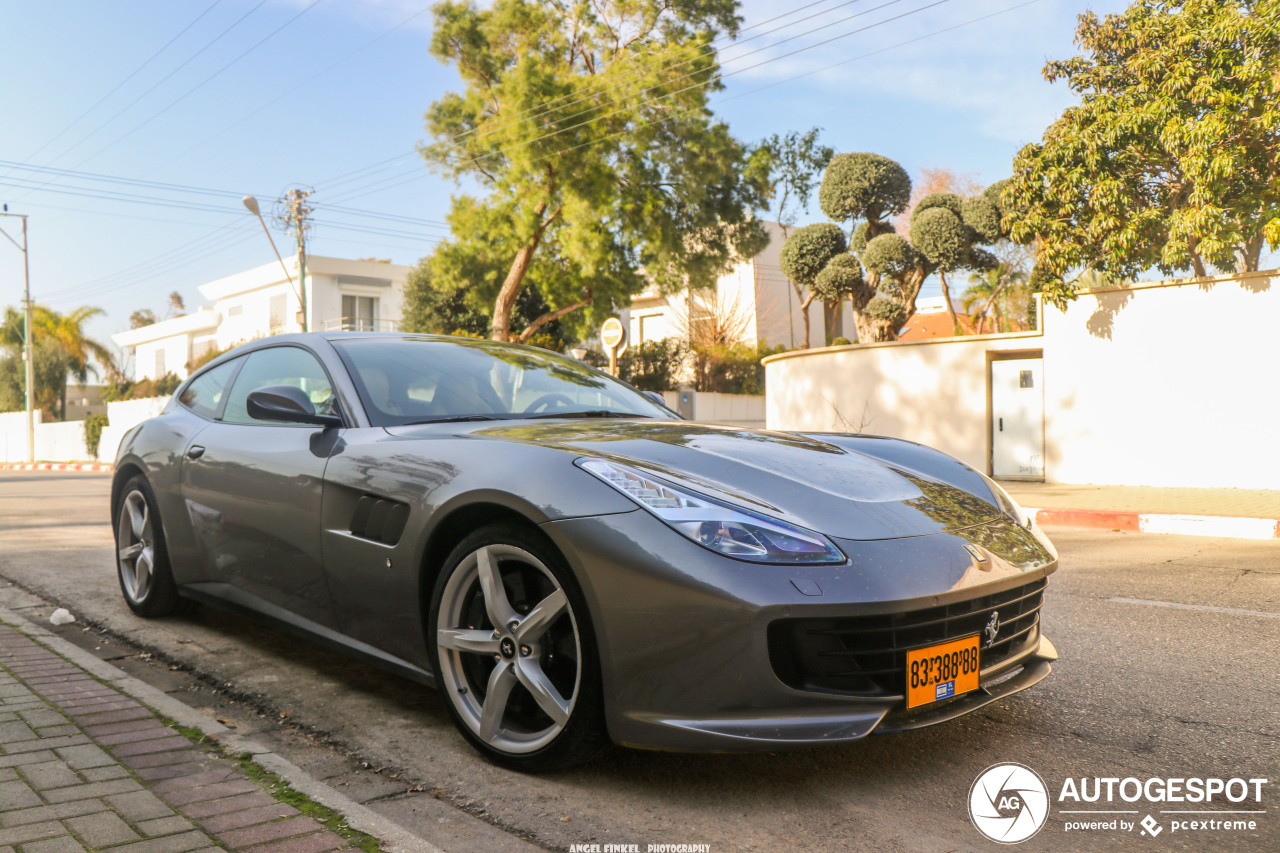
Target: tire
(542, 665)
(142, 560)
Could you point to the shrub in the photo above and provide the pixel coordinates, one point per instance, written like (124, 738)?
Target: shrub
(653, 365)
(731, 368)
(93, 426)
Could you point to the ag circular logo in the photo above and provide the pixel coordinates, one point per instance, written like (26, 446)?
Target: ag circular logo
(1008, 803)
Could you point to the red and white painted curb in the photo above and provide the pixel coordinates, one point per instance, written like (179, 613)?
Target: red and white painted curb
(95, 467)
(1222, 526)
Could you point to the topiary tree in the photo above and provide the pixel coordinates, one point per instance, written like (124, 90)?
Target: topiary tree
(805, 255)
(883, 275)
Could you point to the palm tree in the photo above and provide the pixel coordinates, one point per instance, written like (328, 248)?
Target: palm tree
(997, 291)
(67, 332)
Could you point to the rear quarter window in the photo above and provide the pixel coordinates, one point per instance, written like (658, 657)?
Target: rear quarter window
(205, 393)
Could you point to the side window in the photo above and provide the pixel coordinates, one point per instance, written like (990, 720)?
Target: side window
(279, 366)
(206, 391)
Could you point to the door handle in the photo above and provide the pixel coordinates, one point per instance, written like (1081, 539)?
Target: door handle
(1001, 428)
(195, 451)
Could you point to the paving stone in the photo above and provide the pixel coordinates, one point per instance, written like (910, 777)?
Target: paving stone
(305, 844)
(42, 717)
(212, 792)
(207, 777)
(171, 771)
(12, 691)
(159, 729)
(50, 774)
(45, 743)
(165, 825)
(92, 789)
(102, 774)
(247, 817)
(113, 716)
(101, 830)
(66, 844)
(56, 731)
(252, 836)
(155, 759)
(229, 804)
(21, 758)
(31, 832)
(7, 773)
(139, 806)
(59, 812)
(168, 844)
(126, 726)
(17, 795)
(84, 757)
(161, 743)
(11, 732)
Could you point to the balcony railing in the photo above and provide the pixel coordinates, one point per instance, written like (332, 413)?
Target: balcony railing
(360, 324)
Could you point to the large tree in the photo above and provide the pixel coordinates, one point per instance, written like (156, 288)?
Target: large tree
(599, 165)
(1170, 159)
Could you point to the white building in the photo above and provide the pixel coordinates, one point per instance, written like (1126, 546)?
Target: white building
(753, 298)
(341, 294)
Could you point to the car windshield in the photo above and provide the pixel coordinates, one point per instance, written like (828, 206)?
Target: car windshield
(432, 380)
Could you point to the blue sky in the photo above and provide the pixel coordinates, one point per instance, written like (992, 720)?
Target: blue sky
(256, 96)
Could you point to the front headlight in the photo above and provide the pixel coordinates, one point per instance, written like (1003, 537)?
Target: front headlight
(1009, 505)
(728, 530)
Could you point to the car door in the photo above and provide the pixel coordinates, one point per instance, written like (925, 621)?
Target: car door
(253, 492)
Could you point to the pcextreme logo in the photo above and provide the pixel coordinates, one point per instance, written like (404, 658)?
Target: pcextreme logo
(1008, 803)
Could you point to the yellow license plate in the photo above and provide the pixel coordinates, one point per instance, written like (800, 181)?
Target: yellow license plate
(942, 671)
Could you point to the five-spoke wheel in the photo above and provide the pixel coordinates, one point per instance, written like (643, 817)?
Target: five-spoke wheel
(514, 653)
(141, 558)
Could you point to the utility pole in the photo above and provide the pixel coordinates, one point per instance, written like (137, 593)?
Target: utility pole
(295, 216)
(27, 357)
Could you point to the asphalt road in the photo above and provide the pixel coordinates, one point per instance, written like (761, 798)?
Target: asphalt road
(1143, 690)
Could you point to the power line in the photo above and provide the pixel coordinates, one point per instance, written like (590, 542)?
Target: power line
(160, 82)
(121, 84)
(202, 83)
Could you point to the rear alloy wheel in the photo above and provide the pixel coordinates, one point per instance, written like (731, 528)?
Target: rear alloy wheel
(514, 652)
(141, 558)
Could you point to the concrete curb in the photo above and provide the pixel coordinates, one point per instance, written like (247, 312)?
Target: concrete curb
(393, 837)
(95, 467)
(1221, 526)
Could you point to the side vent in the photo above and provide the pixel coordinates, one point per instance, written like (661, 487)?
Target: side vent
(379, 519)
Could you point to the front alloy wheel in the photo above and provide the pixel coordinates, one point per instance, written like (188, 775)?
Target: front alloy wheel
(513, 653)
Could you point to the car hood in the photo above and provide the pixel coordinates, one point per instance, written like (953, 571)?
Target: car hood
(837, 490)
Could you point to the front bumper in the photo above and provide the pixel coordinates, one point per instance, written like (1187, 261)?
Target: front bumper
(683, 632)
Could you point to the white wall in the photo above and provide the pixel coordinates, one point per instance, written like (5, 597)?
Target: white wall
(13, 435)
(61, 442)
(123, 416)
(1160, 384)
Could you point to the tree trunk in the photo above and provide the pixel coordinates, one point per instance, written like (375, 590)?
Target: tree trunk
(500, 329)
(804, 312)
(548, 317)
(946, 301)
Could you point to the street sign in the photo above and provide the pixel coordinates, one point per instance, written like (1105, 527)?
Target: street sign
(613, 335)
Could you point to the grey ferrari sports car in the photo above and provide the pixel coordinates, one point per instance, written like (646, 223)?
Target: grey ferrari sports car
(567, 561)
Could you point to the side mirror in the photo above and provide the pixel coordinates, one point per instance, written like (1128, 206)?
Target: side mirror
(286, 403)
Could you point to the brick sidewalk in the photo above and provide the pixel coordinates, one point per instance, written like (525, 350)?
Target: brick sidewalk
(85, 767)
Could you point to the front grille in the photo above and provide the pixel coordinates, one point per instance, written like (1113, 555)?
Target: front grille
(867, 655)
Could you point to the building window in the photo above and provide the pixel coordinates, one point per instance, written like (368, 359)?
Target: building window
(359, 313)
(277, 314)
(160, 371)
(235, 310)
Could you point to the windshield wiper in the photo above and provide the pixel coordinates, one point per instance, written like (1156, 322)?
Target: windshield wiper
(450, 419)
(589, 413)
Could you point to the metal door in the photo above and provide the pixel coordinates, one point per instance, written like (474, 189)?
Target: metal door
(1017, 419)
